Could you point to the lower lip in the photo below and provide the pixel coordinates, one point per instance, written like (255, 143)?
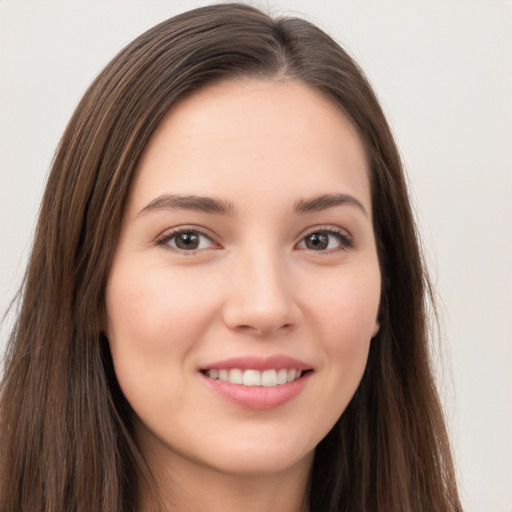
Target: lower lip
(258, 397)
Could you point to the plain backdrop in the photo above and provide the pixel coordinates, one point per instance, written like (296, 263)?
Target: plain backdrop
(443, 72)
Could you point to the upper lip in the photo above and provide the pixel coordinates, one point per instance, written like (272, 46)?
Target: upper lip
(277, 361)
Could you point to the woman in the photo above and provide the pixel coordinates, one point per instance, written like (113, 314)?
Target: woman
(224, 305)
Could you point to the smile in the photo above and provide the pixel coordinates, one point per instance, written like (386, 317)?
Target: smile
(257, 383)
(251, 377)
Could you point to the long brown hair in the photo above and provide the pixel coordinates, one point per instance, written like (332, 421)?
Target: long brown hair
(66, 442)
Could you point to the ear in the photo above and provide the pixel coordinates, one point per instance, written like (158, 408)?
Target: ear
(376, 328)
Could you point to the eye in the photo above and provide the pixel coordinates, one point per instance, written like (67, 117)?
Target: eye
(325, 240)
(187, 240)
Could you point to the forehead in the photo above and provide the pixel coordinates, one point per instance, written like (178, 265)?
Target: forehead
(269, 137)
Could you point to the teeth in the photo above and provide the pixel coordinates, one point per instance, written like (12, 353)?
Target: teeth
(267, 378)
(236, 376)
(282, 376)
(251, 378)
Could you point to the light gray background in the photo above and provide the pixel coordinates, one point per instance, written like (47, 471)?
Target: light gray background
(442, 70)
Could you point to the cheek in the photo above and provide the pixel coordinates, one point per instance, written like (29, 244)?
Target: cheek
(148, 308)
(134, 317)
(346, 315)
(347, 308)
(154, 320)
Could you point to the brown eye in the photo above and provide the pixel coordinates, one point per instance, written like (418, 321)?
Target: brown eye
(325, 241)
(317, 241)
(187, 241)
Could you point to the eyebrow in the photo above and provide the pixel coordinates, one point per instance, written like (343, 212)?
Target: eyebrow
(190, 202)
(326, 201)
(222, 207)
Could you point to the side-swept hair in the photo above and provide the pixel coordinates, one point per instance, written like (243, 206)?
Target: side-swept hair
(66, 441)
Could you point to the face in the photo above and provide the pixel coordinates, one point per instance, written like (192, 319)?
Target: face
(244, 290)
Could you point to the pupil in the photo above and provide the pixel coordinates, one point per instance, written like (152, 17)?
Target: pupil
(317, 241)
(187, 241)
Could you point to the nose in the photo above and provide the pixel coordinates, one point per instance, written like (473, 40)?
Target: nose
(261, 299)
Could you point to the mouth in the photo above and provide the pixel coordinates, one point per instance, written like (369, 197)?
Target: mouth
(251, 377)
(257, 383)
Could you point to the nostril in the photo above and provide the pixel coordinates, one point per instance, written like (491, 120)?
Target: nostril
(264, 330)
(260, 318)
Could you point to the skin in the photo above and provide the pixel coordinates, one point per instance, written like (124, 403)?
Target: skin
(252, 287)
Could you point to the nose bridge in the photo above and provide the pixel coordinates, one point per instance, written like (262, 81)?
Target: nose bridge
(262, 298)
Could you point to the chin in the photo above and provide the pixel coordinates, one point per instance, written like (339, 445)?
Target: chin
(261, 462)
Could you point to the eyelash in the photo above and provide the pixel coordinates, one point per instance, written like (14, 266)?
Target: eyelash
(168, 236)
(345, 241)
